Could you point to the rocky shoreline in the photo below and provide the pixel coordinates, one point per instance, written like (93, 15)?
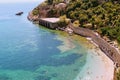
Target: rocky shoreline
(110, 51)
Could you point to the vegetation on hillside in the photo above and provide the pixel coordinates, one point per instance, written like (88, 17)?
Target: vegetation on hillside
(100, 15)
(103, 17)
(64, 21)
(117, 74)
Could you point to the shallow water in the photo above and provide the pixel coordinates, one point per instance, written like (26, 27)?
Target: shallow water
(31, 52)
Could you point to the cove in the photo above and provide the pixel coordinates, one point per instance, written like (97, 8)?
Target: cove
(30, 52)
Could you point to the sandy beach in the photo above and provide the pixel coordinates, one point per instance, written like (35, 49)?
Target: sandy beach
(100, 67)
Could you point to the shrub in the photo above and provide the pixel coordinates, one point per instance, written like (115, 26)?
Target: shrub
(76, 23)
(64, 21)
(118, 39)
(35, 12)
(52, 12)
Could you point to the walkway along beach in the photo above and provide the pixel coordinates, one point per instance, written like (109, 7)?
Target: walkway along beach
(110, 51)
(107, 49)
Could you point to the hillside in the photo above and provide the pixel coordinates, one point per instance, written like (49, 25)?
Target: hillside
(100, 15)
(103, 17)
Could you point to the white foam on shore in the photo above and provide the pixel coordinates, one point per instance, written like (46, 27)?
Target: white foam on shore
(98, 67)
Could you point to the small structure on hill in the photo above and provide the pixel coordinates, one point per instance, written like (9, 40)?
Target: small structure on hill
(49, 22)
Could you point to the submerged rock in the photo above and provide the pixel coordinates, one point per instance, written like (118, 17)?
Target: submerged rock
(43, 78)
(54, 75)
(4, 77)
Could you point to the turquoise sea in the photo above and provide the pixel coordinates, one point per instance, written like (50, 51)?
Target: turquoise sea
(31, 52)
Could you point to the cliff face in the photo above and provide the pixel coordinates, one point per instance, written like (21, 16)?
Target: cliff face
(32, 17)
(58, 8)
(44, 10)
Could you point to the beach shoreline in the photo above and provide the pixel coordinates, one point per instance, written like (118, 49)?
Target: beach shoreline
(108, 50)
(101, 60)
(101, 67)
(105, 47)
(106, 72)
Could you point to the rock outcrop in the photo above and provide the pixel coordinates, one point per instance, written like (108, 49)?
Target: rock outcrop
(32, 17)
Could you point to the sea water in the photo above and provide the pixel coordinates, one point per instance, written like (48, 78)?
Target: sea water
(31, 52)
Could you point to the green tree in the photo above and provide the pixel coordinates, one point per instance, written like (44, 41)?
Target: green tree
(64, 21)
(50, 2)
(118, 39)
(35, 12)
(76, 23)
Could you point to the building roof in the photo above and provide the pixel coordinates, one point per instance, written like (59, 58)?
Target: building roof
(51, 20)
